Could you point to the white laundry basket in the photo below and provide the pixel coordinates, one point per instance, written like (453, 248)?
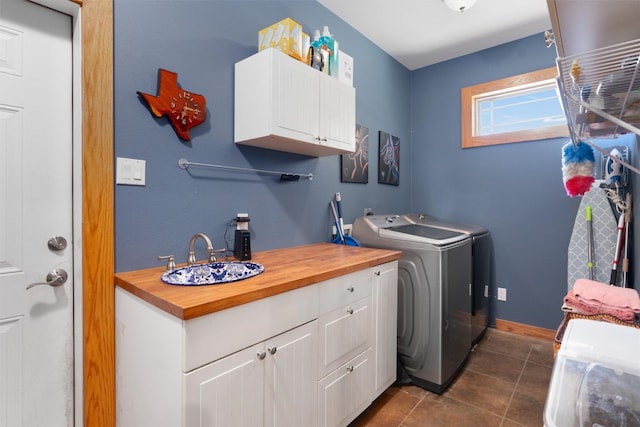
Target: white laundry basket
(596, 377)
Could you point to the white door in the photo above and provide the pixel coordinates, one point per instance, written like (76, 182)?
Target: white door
(36, 324)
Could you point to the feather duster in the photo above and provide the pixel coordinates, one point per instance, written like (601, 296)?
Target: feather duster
(578, 168)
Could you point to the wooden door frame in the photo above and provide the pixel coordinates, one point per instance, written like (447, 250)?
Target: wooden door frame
(98, 305)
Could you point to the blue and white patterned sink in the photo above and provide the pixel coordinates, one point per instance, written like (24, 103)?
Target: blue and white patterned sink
(212, 273)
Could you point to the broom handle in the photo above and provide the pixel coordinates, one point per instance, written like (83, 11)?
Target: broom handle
(589, 242)
(616, 255)
(625, 261)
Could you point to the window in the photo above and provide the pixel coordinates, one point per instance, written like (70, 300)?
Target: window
(525, 107)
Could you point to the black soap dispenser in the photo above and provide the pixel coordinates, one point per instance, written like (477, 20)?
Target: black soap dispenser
(242, 244)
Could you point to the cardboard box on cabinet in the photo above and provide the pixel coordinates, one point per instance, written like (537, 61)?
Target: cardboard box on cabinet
(285, 35)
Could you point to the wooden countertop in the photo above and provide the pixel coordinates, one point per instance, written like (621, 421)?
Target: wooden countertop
(285, 270)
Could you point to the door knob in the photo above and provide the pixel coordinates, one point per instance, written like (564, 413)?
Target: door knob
(57, 243)
(56, 277)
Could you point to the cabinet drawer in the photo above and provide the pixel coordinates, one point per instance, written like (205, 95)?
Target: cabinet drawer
(346, 392)
(344, 333)
(335, 293)
(208, 338)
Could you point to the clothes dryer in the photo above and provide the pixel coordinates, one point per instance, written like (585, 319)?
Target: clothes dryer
(434, 280)
(482, 266)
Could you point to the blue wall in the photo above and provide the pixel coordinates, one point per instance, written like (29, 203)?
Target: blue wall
(201, 41)
(515, 190)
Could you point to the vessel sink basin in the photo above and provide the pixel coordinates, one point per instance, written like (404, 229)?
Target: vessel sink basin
(212, 273)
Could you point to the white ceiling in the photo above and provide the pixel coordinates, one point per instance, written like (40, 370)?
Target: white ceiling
(418, 33)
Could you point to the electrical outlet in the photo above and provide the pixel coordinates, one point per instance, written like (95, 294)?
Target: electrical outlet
(502, 294)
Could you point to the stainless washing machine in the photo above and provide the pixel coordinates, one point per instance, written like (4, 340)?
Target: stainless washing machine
(482, 249)
(434, 281)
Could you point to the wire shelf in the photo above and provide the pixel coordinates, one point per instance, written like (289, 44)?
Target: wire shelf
(600, 91)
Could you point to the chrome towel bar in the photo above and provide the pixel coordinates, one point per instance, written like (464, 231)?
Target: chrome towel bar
(284, 176)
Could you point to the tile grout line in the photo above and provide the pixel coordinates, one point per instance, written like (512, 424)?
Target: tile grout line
(504, 417)
(411, 411)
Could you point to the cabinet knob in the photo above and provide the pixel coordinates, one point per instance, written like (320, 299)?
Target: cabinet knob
(377, 273)
(262, 355)
(350, 288)
(273, 350)
(350, 311)
(350, 368)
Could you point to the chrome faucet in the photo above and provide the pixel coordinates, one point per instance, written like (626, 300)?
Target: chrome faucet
(191, 259)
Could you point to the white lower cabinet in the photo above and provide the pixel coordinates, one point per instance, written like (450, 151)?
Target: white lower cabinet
(344, 333)
(229, 392)
(271, 383)
(385, 303)
(346, 392)
(314, 356)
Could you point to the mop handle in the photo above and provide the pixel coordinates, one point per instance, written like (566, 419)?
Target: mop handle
(589, 242)
(339, 206)
(616, 255)
(335, 216)
(625, 260)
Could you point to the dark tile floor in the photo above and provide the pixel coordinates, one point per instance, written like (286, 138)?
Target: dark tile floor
(504, 384)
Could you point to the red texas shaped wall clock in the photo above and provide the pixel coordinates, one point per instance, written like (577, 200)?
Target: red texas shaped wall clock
(184, 109)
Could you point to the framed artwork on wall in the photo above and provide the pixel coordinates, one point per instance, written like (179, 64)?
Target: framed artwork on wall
(388, 159)
(354, 167)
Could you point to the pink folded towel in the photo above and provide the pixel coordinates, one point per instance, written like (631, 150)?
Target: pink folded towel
(576, 304)
(610, 295)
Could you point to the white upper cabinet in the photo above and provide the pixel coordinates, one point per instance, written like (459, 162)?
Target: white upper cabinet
(285, 105)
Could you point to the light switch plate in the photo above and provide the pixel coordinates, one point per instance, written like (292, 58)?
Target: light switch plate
(130, 171)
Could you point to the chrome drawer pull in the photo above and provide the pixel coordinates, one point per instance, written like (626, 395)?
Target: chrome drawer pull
(350, 368)
(350, 311)
(350, 289)
(273, 350)
(262, 355)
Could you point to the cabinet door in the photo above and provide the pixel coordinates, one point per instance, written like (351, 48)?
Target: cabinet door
(283, 104)
(385, 303)
(228, 392)
(291, 378)
(344, 333)
(337, 114)
(295, 104)
(346, 392)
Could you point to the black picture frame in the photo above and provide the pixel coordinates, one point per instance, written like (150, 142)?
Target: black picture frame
(388, 159)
